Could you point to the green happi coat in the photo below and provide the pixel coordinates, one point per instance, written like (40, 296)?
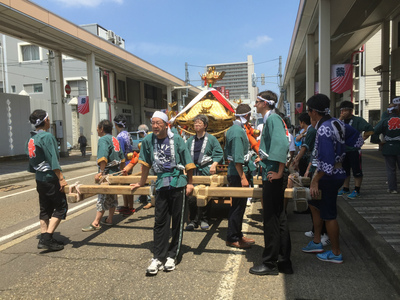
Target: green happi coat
(180, 160)
(109, 150)
(237, 148)
(390, 128)
(211, 152)
(42, 150)
(309, 142)
(274, 144)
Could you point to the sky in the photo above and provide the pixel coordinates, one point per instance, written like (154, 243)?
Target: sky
(169, 33)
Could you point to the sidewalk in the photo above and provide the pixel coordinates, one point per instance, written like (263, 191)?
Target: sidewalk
(13, 171)
(374, 217)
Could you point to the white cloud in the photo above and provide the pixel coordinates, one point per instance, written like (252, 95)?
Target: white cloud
(258, 42)
(88, 3)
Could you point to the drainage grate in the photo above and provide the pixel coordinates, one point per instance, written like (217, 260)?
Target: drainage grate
(11, 188)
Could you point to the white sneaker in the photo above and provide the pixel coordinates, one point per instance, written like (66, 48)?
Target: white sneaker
(310, 234)
(169, 264)
(248, 202)
(154, 267)
(325, 240)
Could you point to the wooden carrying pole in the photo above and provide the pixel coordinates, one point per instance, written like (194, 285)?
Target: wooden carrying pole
(202, 192)
(215, 180)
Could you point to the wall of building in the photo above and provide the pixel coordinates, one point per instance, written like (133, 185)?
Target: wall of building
(32, 77)
(372, 57)
(14, 121)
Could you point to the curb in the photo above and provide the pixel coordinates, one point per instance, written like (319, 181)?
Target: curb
(25, 175)
(381, 252)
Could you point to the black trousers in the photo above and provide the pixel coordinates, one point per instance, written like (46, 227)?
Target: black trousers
(169, 204)
(276, 230)
(236, 212)
(197, 214)
(83, 150)
(52, 201)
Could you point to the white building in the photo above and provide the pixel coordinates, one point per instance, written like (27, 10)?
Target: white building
(28, 69)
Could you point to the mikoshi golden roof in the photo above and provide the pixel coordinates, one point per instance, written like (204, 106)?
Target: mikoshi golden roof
(220, 117)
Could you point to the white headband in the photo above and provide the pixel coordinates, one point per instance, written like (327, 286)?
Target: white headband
(270, 102)
(120, 123)
(391, 109)
(160, 115)
(396, 100)
(326, 111)
(241, 116)
(38, 121)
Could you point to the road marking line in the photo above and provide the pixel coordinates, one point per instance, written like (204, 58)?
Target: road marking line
(34, 189)
(37, 224)
(227, 284)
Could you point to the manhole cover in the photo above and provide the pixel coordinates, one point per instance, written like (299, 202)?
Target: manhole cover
(11, 188)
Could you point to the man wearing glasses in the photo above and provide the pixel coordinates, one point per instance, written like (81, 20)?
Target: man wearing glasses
(167, 154)
(206, 153)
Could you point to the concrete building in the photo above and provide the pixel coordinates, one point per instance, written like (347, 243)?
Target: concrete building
(333, 32)
(26, 70)
(237, 79)
(90, 60)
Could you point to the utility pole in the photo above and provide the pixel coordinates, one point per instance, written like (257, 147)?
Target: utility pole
(57, 100)
(187, 82)
(280, 74)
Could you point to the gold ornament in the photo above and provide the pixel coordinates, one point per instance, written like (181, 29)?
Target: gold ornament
(212, 76)
(129, 155)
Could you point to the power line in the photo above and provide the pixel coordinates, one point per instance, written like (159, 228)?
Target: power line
(263, 62)
(197, 66)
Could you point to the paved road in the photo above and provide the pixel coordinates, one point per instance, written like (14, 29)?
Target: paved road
(111, 263)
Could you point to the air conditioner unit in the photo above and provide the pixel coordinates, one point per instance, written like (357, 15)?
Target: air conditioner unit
(110, 35)
(118, 40)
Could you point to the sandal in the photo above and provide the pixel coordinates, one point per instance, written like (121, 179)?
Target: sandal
(147, 206)
(106, 223)
(91, 228)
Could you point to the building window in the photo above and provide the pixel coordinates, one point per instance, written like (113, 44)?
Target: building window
(29, 52)
(33, 88)
(121, 91)
(1, 87)
(151, 95)
(13, 89)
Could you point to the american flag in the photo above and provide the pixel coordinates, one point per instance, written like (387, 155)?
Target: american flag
(341, 78)
(83, 104)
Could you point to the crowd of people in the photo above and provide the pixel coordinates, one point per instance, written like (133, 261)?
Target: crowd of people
(327, 150)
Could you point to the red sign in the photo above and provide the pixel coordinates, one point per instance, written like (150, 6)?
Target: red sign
(226, 93)
(67, 89)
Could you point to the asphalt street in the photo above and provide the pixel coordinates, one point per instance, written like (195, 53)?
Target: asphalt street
(111, 263)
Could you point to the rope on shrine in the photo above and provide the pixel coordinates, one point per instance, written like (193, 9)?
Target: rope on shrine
(76, 185)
